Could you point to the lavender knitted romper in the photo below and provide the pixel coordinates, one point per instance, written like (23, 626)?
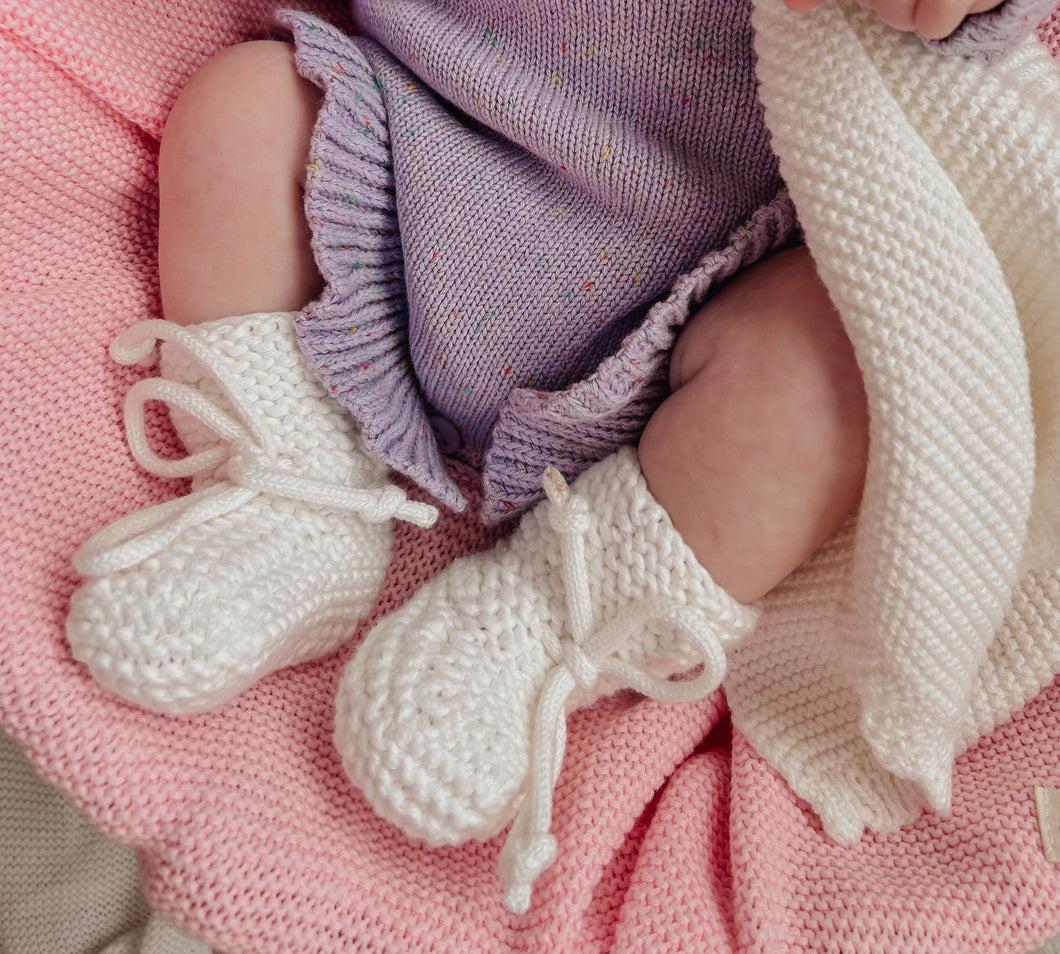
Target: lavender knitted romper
(516, 208)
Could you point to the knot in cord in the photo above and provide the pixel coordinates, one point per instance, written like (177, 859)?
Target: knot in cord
(583, 670)
(579, 659)
(568, 514)
(135, 345)
(386, 504)
(245, 463)
(246, 456)
(522, 861)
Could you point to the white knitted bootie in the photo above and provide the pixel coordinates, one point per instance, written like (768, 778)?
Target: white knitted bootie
(275, 555)
(451, 717)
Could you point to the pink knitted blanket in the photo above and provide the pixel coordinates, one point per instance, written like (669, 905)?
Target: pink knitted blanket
(675, 835)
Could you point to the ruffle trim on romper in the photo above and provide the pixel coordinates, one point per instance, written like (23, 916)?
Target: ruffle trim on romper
(355, 335)
(574, 428)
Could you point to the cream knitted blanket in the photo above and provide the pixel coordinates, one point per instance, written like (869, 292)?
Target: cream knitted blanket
(929, 191)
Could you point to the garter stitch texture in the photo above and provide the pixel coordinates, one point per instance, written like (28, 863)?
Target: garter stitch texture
(277, 552)
(595, 591)
(929, 192)
(675, 835)
(507, 209)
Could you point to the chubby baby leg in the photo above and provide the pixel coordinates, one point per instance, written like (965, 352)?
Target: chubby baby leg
(233, 237)
(648, 565)
(281, 546)
(760, 452)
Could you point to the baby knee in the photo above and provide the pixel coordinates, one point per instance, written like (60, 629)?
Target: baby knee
(769, 314)
(249, 95)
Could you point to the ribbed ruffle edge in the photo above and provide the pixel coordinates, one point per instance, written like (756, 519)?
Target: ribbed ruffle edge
(574, 428)
(355, 335)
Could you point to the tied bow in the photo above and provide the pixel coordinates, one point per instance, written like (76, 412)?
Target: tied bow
(580, 659)
(247, 457)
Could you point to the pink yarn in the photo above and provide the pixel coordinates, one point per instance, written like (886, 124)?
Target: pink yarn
(674, 836)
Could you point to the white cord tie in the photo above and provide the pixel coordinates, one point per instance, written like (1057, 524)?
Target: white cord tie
(579, 660)
(581, 667)
(248, 457)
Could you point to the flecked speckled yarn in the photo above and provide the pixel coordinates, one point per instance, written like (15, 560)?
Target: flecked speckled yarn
(502, 204)
(467, 260)
(673, 836)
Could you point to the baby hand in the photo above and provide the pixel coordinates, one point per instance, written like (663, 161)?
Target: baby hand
(932, 19)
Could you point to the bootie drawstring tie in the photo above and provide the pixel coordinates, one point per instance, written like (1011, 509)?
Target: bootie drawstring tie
(246, 458)
(580, 659)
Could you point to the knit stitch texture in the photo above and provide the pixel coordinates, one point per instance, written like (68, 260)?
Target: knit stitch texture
(501, 207)
(452, 716)
(477, 270)
(952, 309)
(277, 552)
(675, 835)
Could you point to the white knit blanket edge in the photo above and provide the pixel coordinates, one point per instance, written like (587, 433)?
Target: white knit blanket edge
(928, 188)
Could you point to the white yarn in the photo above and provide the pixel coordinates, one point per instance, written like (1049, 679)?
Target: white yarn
(580, 659)
(275, 555)
(451, 717)
(927, 187)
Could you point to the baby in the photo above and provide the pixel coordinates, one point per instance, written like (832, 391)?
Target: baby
(504, 221)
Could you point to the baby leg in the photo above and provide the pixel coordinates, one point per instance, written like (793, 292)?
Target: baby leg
(642, 568)
(282, 545)
(232, 234)
(760, 451)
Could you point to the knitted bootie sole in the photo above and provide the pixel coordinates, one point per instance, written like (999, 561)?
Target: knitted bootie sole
(231, 600)
(451, 716)
(277, 553)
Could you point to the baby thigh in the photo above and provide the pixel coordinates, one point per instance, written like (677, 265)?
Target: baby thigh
(233, 238)
(759, 453)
